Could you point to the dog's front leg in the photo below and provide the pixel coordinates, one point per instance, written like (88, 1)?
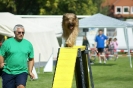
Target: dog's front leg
(63, 43)
(69, 43)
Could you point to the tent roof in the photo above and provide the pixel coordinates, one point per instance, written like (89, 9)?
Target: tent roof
(5, 30)
(100, 20)
(50, 22)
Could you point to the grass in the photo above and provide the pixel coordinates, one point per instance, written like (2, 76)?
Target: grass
(113, 74)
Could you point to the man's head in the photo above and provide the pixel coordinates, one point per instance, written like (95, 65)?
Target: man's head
(84, 38)
(19, 31)
(100, 32)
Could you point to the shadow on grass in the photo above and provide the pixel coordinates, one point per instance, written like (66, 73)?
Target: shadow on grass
(102, 64)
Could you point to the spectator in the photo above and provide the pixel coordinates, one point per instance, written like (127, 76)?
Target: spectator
(115, 43)
(111, 48)
(86, 43)
(106, 49)
(99, 45)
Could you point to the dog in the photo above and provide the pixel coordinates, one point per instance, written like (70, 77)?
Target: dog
(70, 28)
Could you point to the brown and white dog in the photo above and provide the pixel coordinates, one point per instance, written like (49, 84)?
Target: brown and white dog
(70, 28)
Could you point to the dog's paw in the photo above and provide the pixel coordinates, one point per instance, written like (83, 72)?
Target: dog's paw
(68, 44)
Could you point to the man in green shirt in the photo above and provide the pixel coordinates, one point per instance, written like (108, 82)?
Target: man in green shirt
(16, 52)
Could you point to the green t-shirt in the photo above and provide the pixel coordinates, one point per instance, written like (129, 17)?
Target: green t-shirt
(0, 52)
(16, 55)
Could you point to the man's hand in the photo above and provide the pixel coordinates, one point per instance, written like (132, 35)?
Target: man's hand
(32, 75)
(2, 65)
(95, 49)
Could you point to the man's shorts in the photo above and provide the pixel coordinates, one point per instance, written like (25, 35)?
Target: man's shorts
(12, 81)
(100, 50)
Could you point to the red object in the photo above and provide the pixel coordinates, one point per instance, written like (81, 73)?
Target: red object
(122, 50)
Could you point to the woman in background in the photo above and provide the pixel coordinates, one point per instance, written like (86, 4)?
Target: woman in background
(115, 43)
(111, 48)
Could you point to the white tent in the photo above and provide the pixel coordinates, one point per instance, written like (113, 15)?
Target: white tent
(99, 20)
(4, 30)
(54, 23)
(44, 41)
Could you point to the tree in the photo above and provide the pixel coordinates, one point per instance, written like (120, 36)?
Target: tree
(7, 6)
(98, 3)
(81, 7)
(49, 7)
(27, 7)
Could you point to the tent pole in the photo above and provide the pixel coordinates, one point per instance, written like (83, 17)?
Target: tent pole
(105, 31)
(127, 43)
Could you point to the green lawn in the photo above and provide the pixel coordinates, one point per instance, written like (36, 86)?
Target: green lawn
(114, 74)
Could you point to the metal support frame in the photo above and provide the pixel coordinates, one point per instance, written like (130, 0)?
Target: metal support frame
(89, 66)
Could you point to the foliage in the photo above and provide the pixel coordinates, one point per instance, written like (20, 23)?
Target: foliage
(50, 7)
(105, 10)
(7, 6)
(27, 7)
(98, 4)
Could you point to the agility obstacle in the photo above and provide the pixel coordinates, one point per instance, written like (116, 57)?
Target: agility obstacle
(70, 62)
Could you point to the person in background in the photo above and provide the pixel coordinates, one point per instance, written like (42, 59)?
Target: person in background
(115, 43)
(86, 43)
(106, 50)
(14, 54)
(111, 48)
(100, 45)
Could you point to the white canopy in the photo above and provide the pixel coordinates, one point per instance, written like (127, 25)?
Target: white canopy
(54, 23)
(100, 20)
(44, 41)
(4, 30)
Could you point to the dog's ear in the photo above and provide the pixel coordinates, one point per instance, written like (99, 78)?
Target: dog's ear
(64, 15)
(77, 20)
(75, 16)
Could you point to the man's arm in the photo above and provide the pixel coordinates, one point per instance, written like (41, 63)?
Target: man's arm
(1, 62)
(30, 66)
(95, 45)
(106, 37)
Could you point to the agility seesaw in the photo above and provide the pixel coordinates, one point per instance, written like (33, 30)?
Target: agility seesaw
(72, 61)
